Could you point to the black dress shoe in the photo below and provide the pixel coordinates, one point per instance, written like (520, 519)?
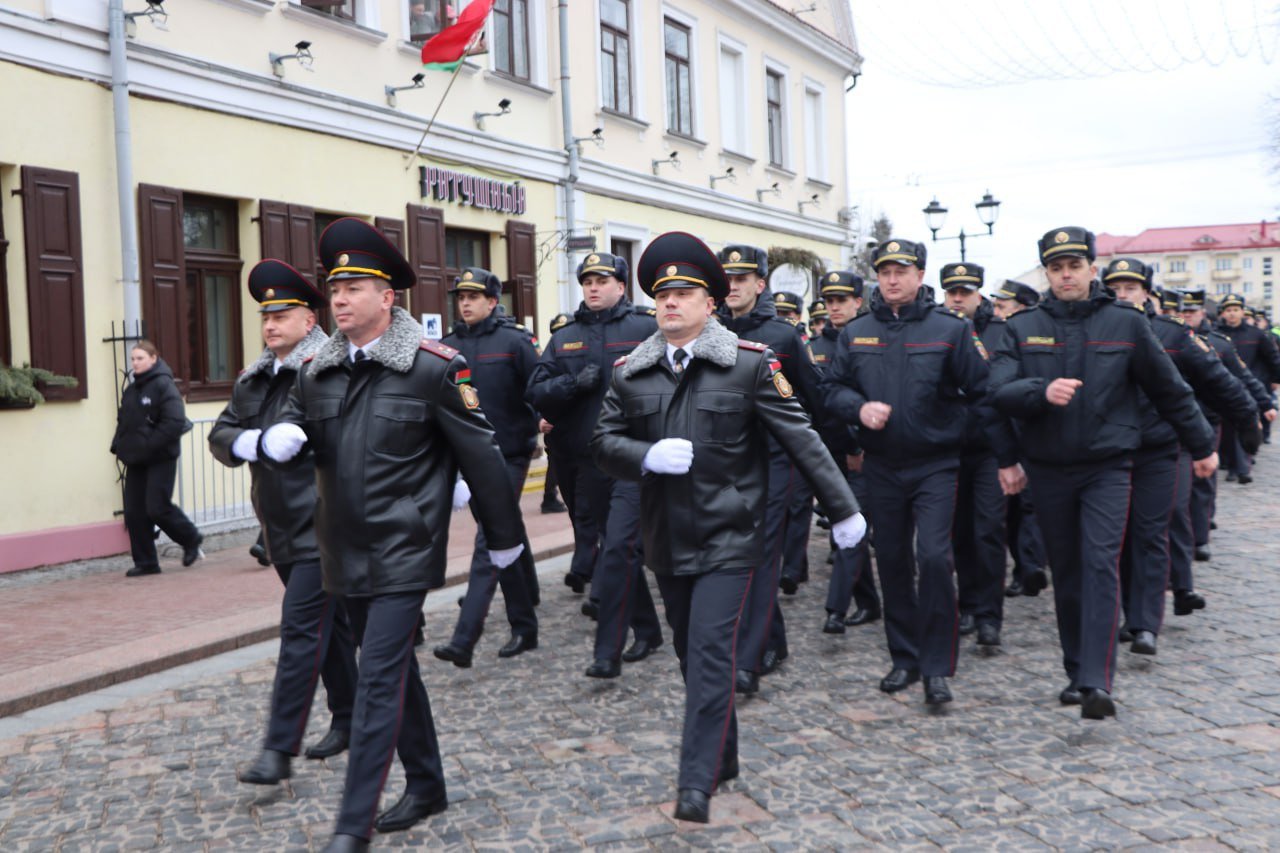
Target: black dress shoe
(834, 624)
(1231, 476)
(1033, 583)
(1244, 479)
(1096, 704)
(693, 805)
(346, 844)
(142, 571)
(988, 634)
(604, 668)
(553, 506)
(1185, 601)
(192, 552)
(1213, 525)
(728, 770)
(518, 644)
(577, 583)
(334, 742)
(1144, 643)
(1203, 555)
(862, 616)
(936, 691)
(967, 624)
(788, 585)
(1125, 634)
(259, 553)
(591, 609)
(459, 657)
(746, 682)
(639, 650)
(772, 659)
(1014, 589)
(899, 679)
(408, 810)
(269, 769)
(1070, 695)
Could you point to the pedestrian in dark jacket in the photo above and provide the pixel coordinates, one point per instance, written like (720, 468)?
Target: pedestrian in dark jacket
(1263, 360)
(686, 416)
(148, 439)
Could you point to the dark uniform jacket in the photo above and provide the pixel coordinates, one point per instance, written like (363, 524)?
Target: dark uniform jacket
(1257, 352)
(840, 436)
(284, 500)
(927, 366)
(151, 419)
(1216, 390)
(1236, 367)
(731, 394)
(763, 325)
(978, 427)
(592, 337)
(389, 437)
(501, 356)
(1111, 348)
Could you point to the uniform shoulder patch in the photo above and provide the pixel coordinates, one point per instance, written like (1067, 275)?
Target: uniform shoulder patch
(751, 345)
(436, 348)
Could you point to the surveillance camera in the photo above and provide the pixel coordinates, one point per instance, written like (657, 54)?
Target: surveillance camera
(418, 78)
(599, 131)
(303, 45)
(729, 171)
(505, 103)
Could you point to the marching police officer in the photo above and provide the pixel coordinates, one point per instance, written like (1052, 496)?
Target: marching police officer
(390, 421)
(500, 357)
(1012, 297)
(687, 416)
(552, 504)
(979, 537)
(907, 372)
(1069, 370)
(749, 311)
(850, 568)
(1263, 361)
(567, 387)
(818, 315)
(315, 636)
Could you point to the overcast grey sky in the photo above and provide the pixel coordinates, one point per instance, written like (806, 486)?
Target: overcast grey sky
(1034, 112)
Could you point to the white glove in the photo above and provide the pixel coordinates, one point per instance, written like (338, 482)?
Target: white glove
(246, 445)
(849, 532)
(461, 494)
(506, 556)
(283, 441)
(669, 456)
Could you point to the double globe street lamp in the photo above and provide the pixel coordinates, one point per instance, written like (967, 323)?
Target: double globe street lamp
(935, 215)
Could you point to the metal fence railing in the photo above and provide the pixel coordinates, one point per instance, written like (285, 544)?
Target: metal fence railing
(210, 493)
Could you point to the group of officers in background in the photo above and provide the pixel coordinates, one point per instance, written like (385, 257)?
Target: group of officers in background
(1078, 431)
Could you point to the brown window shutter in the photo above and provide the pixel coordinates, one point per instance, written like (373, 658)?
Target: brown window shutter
(274, 228)
(393, 230)
(302, 240)
(522, 267)
(55, 276)
(426, 254)
(6, 339)
(164, 275)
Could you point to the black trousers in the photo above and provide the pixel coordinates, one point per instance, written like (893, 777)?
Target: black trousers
(486, 577)
(916, 502)
(978, 539)
(315, 640)
(1204, 502)
(148, 503)
(795, 545)
(1233, 459)
(585, 490)
(762, 624)
(1082, 511)
(549, 483)
(851, 567)
(619, 584)
(1181, 535)
(1023, 537)
(392, 712)
(1144, 563)
(703, 612)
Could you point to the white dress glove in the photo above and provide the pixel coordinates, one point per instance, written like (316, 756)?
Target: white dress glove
(246, 445)
(669, 456)
(283, 441)
(849, 532)
(461, 494)
(506, 556)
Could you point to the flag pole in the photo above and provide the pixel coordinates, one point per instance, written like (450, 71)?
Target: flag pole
(475, 39)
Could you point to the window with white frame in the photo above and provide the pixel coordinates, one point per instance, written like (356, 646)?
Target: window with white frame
(1222, 264)
(1201, 265)
(1155, 266)
(733, 98)
(774, 91)
(428, 17)
(815, 142)
(345, 9)
(1246, 263)
(511, 38)
(1247, 287)
(1177, 266)
(615, 55)
(677, 42)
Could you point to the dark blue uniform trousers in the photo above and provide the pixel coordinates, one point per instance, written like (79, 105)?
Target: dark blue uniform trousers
(703, 612)
(485, 577)
(1025, 542)
(1144, 563)
(1204, 502)
(1181, 535)
(918, 584)
(851, 567)
(762, 625)
(979, 539)
(392, 713)
(1233, 458)
(795, 546)
(585, 490)
(315, 641)
(619, 584)
(1082, 510)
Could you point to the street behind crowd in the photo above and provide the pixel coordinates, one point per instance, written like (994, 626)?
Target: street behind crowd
(538, 757)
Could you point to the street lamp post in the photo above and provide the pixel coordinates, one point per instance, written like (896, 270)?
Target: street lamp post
(935, 215)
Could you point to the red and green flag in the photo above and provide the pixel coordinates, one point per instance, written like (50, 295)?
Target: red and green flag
(446, 50)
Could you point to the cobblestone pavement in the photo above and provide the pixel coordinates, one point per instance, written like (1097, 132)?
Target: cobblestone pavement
(538, 757)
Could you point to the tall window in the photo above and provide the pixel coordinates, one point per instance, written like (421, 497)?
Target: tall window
(337, 8)
(615, 54)
(462, 249)
(428, 17)
(1247, 263)
(1177, 266)
(212, 253)
(1222, 264)
(815, 132)
(1201, 265)
(511, 37)
(733, 100)
(676, 41)
(773, 111)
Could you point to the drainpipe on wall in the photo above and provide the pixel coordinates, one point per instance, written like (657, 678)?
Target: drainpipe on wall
(566, 112)
(124, 168)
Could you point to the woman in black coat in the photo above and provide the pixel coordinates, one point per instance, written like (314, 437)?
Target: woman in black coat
(149, 428)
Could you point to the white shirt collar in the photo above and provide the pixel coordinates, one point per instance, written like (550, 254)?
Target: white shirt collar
(368, 348)
(688, 350)
(275, 368)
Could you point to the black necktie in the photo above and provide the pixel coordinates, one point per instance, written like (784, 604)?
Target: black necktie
(677, 359)
(359, 356)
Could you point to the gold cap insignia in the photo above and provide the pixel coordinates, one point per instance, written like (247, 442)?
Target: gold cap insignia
(734, 257)
(593, 259)
(1123, 265)
(835, 276)
(269, 293)
(467, 276)
(1061, 237)
(892, 247)
(343, 259)
(960, 270)
(673, 269)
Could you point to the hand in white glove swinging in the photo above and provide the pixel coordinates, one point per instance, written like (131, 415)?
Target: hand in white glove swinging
(283, 441)
(849, 532)
(461, 494)
(506, 556)
(669, 456)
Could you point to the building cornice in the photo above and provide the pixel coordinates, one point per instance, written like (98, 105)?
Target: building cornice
(829, 48)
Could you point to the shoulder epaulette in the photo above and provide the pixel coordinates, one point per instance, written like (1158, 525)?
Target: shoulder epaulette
(951, 313)
(1125, 303)
(751, 345)
(620, 362)
(436, 348)
(652, 312)
(1169, 318)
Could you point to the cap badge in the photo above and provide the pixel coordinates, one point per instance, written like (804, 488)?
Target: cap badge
(1061, 237)
(892, 247)
(960, 270)
(1123, 265)
(343, 259)
(467, 276)
(269, 293)
(835, 276)
(593, 259)
(734, 257)
(673, 269)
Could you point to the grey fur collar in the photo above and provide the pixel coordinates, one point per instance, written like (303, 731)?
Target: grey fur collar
(716, 344)
(397, 348)
(308, 346)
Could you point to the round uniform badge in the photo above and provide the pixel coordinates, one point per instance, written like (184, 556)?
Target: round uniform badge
(835, 276)
(470, 398)
(1122, 266)
(784, 387)
(343, 260)
(892, 247)
(734, 257)
(1061, 237)
(673, 269)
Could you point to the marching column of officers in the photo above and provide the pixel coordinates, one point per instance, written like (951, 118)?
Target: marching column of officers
(1077, 431)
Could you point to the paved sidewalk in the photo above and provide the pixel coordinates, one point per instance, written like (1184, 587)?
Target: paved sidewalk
(65, 637)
